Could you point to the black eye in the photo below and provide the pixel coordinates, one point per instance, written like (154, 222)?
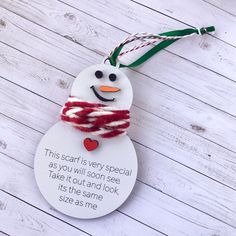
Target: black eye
(99, 74)
(112, 77)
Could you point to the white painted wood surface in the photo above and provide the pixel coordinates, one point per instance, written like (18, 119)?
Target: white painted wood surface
(183, 115)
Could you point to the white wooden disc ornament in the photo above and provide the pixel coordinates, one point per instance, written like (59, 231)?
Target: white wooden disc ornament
(86, 165)
(81, 183)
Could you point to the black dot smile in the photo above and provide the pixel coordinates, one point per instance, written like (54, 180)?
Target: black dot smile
(101, 98)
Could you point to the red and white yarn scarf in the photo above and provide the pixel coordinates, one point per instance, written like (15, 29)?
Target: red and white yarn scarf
(95, 118)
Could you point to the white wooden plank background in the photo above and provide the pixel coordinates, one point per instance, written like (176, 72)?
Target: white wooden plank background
(183, 114)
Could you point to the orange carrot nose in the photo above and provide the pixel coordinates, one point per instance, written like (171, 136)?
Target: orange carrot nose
(109, 89)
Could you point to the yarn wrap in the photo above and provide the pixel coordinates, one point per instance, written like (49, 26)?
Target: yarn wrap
(95, 118)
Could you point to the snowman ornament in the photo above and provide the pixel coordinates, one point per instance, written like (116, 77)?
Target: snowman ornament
(85, 165)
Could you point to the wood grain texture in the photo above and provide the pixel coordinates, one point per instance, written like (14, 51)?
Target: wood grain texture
(180, 139)
(211, 53)
(172, 69)
(17, 216)
(184, 111)
(198, 13)
(36, 124)
(227, 6)
(19, 181)
(183, 115)
(53, 115)
(177, 138)
(17, 175)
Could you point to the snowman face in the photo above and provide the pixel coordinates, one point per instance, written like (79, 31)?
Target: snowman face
(103, 84)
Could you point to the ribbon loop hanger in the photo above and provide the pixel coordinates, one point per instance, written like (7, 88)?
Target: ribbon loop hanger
(150, 39)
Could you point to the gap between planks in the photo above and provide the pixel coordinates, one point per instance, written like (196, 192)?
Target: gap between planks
(220, 7)
(66, 222)
(59, 104)
(160, 13)
(164, 118)
(69, 38)
(171, 122)
(15, 198)
(138, 72)
(201, 224)
(138, 179)
(182, 21)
